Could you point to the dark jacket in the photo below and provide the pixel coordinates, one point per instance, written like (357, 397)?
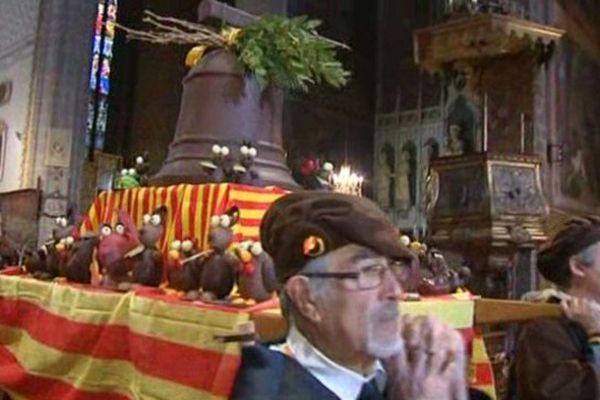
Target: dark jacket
(554, 361)
(266, 374)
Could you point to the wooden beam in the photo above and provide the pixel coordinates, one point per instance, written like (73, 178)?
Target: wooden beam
(271, 326)
(496, 311)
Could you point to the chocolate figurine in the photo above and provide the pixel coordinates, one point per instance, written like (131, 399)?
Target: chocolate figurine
(80, 259)
(438, 278)
(9, 255)
(256, 274)
(50, 261)
(148, 266)
(243, 171)
(313, 175)
(116, 250)
(219, 266)
(183, 273)
(220, 168)
(128, 179)
(142, 167)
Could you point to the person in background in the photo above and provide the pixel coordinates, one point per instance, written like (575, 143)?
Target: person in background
(560, 358)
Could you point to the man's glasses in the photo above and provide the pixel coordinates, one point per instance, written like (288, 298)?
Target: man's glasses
(370, 276)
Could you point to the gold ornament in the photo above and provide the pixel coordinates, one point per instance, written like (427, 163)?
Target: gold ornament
(230, 35)
(194, 56)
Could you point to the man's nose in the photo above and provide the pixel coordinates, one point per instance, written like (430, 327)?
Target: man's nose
(391, 288)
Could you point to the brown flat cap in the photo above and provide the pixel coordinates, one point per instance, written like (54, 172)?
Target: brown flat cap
(302, 225)
(576, 235)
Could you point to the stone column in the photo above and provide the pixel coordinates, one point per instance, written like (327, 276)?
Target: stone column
(55, 139)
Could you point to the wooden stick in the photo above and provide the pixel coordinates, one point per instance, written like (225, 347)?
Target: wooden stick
(198, 255)
(495, 311)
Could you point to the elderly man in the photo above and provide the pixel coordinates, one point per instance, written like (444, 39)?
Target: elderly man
(560, 358)
(342, 273)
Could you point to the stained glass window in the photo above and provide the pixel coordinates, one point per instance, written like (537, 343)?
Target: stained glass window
(104, 36)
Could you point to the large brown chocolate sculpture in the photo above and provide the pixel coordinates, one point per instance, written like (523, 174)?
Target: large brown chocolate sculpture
(221, 105)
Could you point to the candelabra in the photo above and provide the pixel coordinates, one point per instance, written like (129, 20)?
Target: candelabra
(346, 181)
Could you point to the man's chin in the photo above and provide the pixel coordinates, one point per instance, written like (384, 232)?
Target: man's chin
(384, 348)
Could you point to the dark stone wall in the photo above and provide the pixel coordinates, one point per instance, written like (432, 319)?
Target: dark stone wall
(337, 125)
(146, 85)
(399, 77)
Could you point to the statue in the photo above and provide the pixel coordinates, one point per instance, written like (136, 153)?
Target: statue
(429, 178)
(403, 194)
(455, 144)
(577, 178)
(384, 177)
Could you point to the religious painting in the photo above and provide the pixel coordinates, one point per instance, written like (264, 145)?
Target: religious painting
(577, 174)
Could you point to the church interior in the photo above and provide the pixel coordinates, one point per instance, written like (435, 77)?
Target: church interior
(470, 123)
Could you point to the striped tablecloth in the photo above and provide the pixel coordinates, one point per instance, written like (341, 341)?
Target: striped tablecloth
(59, 341)
(70, 342)
(189, 208)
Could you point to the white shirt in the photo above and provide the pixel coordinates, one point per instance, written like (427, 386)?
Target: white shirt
(343, 382)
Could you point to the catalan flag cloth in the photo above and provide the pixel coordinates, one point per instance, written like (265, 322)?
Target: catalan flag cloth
(59, 341)
(189, 208)
(72, 342)
(458, 311)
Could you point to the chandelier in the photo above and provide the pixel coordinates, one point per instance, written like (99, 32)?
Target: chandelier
(346, 181)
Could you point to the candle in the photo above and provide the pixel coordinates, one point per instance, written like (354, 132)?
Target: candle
(522, 133)
(485, 122)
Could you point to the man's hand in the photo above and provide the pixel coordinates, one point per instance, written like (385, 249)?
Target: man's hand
(585, 312)
(431, 365)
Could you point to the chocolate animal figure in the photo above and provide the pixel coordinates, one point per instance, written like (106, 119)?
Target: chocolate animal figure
(9, 255)
(50, 260)
(314, 176)
(179, 251)
(324, 174)
(36, 263)
(148, 266)
(116, 250)
(63, 250)
(243, 171)
(187, 272)
(438, 278)
(256, 273)
(218, 268)
(80, 259)
(220, 168)
(142, 167)
(127, 180)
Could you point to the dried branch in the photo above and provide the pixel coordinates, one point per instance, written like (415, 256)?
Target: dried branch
(168, 31)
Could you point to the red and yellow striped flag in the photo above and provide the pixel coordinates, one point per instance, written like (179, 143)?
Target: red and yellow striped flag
(59, 341)
(189, 208)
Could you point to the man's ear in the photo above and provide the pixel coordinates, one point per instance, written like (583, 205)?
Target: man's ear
(300, 294)
(577, 268)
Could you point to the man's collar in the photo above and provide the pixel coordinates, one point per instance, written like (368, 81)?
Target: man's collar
(343, 382)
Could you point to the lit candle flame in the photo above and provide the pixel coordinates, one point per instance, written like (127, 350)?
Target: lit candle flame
(347, 181)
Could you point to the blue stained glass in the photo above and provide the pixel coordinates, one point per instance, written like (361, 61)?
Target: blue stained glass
(100, 68)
